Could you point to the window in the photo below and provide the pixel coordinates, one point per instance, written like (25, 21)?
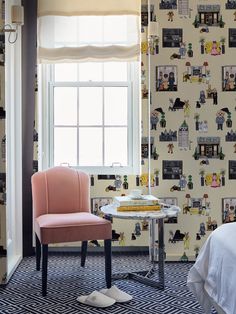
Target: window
(90, 117)
(89, 54)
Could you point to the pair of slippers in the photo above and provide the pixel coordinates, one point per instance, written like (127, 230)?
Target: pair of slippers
(105, 297)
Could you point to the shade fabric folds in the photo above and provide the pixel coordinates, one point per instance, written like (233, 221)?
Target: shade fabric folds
(63, 55)
(88, 38)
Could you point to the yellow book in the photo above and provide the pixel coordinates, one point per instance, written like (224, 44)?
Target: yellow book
(149, 208)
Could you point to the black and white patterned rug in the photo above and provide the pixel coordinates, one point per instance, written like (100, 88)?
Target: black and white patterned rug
(67, 280)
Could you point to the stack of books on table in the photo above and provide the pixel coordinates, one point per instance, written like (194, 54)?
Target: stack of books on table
(144, 203)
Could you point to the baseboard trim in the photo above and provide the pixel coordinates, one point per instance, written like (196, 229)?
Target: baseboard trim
(72, 249)
(119, 250)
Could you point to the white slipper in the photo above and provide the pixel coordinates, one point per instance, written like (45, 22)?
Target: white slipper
(116, 294)
(96, 299)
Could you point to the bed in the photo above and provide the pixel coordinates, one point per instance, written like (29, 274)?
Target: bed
(212, 279)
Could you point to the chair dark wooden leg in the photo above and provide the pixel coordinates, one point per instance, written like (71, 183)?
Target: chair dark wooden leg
(44, 269)
(83, 252)
(37, 252)
(107, 248)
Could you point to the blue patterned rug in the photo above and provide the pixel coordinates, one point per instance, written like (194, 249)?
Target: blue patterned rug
(67, 280)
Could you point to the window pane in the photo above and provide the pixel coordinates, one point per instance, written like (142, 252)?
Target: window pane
(115, 71)
(90, 105)
(65, 146)
(115, 146)
(65, 105)
(90, 29)
(90, 146)
(66, 72)
(90, 71)
(115, 100)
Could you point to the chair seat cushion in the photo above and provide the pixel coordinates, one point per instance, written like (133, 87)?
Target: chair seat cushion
(82, 226)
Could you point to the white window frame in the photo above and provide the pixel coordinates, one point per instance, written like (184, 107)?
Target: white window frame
(46, 124)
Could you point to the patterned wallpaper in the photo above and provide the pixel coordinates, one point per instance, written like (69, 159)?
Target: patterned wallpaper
(192, 125)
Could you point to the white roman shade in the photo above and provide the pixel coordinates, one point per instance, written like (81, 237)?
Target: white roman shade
(91, 30)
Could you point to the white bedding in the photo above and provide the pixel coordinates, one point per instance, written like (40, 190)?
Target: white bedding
(212, 279)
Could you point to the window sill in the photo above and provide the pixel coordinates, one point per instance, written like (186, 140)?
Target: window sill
(110, 170)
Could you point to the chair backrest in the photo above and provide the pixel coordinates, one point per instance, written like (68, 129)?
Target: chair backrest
(60, 190)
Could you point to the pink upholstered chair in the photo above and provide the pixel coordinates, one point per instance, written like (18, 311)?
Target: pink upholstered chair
(61, 202)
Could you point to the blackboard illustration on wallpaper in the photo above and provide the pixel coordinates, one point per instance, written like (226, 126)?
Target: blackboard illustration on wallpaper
(172, 169)
(232, 37)
(166, 78)
(232, 169)
(172, 37)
